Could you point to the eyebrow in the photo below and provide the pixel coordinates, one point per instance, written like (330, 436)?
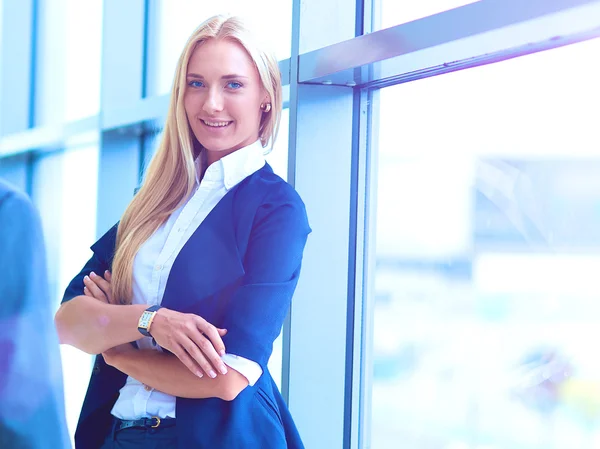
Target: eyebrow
(224, 77)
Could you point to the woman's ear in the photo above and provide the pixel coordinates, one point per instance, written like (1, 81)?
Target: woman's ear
(266, 98)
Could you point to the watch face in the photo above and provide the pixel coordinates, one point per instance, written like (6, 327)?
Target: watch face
(145, 319)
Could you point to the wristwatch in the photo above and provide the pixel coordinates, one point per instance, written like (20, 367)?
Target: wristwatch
(146, 320)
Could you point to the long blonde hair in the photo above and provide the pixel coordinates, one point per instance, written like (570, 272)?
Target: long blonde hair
(171, 175)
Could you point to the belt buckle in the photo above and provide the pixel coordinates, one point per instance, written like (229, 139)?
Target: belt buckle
(157, 422)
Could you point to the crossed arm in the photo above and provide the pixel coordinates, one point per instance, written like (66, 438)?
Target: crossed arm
(166, 373)
(256, 312)
(162, 371)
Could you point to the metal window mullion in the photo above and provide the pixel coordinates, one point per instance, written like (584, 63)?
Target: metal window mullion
(485, 27)
(367, 263)
(321, 338)
(292, 100)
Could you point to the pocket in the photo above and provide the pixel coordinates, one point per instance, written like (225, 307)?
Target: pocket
(267, 403)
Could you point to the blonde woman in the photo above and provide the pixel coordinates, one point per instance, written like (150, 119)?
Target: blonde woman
(199, 272)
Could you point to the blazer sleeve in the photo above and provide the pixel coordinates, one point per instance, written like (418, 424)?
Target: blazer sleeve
(257, 308)
(101, 260)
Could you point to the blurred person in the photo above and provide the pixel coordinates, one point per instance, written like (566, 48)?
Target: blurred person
(183, 298)
(32, 414)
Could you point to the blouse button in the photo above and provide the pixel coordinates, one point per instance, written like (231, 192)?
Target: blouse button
(147, 388)
(158, 267)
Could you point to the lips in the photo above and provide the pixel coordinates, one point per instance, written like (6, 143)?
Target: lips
(216, 123)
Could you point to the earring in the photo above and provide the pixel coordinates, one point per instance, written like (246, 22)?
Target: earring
(266, 107)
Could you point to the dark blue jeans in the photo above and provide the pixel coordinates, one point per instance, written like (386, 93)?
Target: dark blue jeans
(134, 438)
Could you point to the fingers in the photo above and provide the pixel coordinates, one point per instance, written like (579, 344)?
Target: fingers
(103, 284)
(202, 350)
(213, 348)
(93, 289)
(222, 332)
(108, 276)
(196, 342)
(212, 333)
(189, 363)
(199, 357)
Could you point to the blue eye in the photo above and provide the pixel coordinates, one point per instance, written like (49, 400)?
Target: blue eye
(234, 85)
(195, 83)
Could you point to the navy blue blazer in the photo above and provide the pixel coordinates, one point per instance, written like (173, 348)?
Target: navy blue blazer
(239, 271)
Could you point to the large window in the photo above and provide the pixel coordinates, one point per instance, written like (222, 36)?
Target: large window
(472, 196)
(488, 249)
(174, 22)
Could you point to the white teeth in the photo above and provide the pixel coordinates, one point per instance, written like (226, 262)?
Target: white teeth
(216, 124)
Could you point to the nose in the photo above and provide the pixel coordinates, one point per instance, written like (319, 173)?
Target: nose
(213, 102)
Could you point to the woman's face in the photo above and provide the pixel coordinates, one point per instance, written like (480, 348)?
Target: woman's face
(223, 97)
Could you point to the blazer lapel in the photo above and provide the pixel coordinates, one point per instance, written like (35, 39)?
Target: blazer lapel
(104, 248)
(208, 262)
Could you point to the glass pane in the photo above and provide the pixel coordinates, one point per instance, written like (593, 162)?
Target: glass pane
(67, 76)
(174, 22)
(488, 249)
(393, 12)
(65, 191)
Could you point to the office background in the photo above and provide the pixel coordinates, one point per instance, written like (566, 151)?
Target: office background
(448, 152)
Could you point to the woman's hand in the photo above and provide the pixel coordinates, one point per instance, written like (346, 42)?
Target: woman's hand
(191, 338)
(98, 287)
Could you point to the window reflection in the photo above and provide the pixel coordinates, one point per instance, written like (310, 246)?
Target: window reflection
(488, 251)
